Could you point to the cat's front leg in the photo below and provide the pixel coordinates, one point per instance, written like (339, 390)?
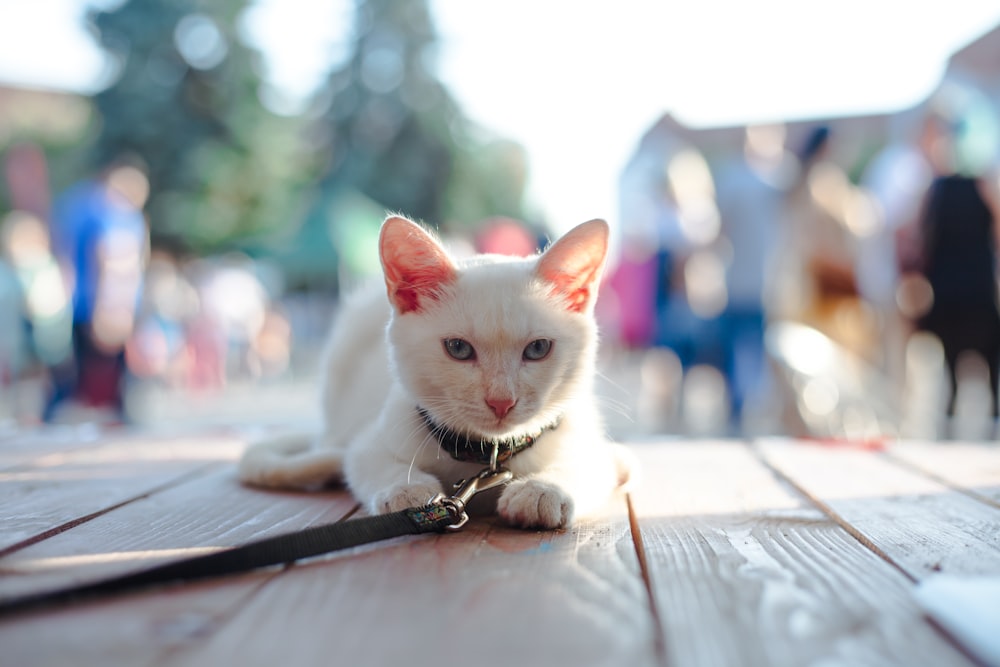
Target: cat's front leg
(536, 503)
(414, 493)
(383, 481)
(574, 482)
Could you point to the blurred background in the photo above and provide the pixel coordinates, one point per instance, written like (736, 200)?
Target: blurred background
(803, 197)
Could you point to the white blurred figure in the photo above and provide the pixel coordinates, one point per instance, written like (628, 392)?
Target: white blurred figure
(234, 300)
(39, 332)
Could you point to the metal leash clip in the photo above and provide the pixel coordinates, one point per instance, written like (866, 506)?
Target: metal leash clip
(465, 489)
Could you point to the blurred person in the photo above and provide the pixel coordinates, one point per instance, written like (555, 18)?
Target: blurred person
(34, 324)
(158, 348)
(958, 237)
(897, 179)
(640, 272)
(25, 244)
(750, 191)
(505, 236)
(691, 293)
(27, 175)
(271, 346)
(815, 280)
(234, 303)
(101, 239)
(14, 330)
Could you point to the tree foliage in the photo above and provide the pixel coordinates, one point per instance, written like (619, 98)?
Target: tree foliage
(394, 133)
(185, 102)
(223, 169)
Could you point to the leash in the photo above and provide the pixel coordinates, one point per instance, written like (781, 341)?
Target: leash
(442, 513)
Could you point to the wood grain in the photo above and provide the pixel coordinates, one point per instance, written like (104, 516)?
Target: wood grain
(203, 514)
(22, 446)
(972, 467)
(746, 573)
(211, 511)
(918, 523)
(62, 487)
(489, 594)
(745, 564)
(140, 630)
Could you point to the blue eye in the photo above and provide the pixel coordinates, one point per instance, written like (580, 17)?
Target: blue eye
(458, 349)
(537, 350)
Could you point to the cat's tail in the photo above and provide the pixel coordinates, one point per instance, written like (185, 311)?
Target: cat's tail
(294, 461)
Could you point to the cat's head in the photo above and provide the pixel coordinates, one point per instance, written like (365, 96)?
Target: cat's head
(495, 345)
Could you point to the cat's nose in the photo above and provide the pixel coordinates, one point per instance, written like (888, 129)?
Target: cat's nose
(501, 406)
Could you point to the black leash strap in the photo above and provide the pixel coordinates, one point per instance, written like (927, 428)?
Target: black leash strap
(278, 550)
(441, 514)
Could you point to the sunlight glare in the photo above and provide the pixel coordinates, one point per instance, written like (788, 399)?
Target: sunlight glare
(79, 560)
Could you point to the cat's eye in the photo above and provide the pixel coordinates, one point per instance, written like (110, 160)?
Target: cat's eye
(537, 350)
(459, 349)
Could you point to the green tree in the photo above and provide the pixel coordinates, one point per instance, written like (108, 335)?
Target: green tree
(186, 102)
(394, 133)
(388, 122)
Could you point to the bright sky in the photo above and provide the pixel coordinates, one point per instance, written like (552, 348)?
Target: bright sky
(578, 81)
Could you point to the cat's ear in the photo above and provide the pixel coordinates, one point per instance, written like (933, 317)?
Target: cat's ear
(573, 265)
(415, 265)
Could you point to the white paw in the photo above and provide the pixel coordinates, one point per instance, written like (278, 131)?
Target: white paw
(535, 504)
(403, 496)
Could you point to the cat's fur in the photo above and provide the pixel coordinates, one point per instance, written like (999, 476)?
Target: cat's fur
(386, 358)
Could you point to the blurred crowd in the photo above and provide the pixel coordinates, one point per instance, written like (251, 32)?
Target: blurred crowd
(90, 309)
(808, 300)
(767, 291)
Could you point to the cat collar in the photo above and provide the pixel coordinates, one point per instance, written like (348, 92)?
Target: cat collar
(478, 449)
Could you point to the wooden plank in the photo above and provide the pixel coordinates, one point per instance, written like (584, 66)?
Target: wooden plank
(138, 630)
(920, 524)
(973, 467)
(502, 595)
(206, 512)
(490, 595)
(59, 488)
(20, 447)
(202, 514)
(744, 572)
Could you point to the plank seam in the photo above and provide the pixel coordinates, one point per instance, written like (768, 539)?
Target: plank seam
(659, 640)
(73, 523)
(943, 481)
(833, 515)
(176, 652)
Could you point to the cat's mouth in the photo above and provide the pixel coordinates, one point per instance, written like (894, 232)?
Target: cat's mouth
(502, 428)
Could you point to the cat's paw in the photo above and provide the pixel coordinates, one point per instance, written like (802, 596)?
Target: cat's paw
(403, 496)
(533, 503)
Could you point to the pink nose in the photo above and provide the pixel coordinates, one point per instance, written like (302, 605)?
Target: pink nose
(501, 406)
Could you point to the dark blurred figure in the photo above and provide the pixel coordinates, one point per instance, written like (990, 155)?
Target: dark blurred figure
(958, 261)
(100, 238)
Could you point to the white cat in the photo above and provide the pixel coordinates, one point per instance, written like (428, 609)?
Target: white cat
(462, 355)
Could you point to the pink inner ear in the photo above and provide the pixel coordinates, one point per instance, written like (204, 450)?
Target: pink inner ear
(416, 285)
(415, 266)
(573, 264)
(575, 295)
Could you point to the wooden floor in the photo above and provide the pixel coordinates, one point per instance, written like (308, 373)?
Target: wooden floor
(745, 553)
